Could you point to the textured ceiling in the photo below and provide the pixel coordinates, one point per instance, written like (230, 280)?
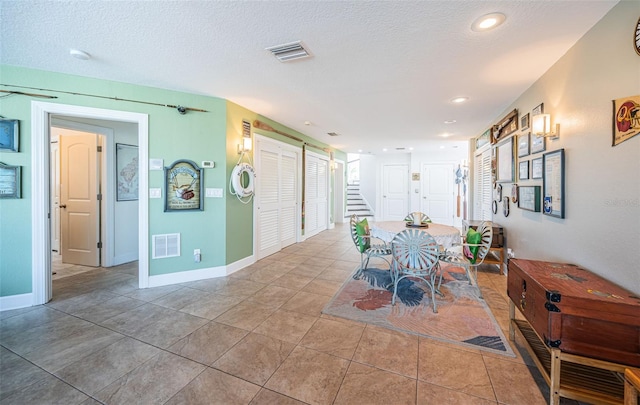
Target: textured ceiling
(382, 72)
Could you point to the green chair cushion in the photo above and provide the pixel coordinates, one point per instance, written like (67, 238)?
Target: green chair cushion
(471, 252)
(362, 229)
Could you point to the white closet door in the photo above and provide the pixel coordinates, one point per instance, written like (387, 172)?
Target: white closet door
(316, 194)
(277, 197)
(482, 188)
(267, 179)
(288, 198)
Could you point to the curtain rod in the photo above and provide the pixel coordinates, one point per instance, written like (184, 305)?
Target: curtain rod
(181, 109)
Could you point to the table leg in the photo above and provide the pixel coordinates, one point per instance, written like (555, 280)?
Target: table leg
(554, 387)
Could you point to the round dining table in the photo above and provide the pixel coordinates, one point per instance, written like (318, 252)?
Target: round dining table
(445, 235)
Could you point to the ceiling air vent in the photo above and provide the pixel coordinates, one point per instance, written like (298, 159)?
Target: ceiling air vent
(290, 51)
(332, 134)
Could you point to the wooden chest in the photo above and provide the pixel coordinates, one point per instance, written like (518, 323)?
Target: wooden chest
(577, 311)
(498, 232)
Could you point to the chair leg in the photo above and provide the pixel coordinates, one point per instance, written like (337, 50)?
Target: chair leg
(358, 273)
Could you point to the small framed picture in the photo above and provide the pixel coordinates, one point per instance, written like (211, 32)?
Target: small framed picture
(9, 135)
(536, 168)
(183, 186)
(553, 183)
(523, 170)
(9, 181)
(523, 144)
(538, 144)
(524, 121)
(538, 110)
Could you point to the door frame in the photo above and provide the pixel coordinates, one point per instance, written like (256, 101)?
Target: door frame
(41, 113)
(107, 170)
(339, 188)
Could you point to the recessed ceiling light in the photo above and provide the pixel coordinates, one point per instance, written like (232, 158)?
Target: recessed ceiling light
(360, 150)
(307, 123)
(78, 54)
(450, 121)
(488, 22)
(445, 135)
(411, 148)
(384, 149)
(442, 147)
(459, 100)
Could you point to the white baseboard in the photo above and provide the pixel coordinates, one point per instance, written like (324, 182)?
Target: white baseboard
(16, 301)
(199, 274)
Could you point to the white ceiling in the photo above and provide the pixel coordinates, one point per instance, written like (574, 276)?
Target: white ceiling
(382, 72)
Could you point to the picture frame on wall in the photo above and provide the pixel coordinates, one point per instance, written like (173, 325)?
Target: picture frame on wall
(529, 198)
(524, 121)
(536, 168)
(183, 186)
(523, 170)
(539, 109)
(126, 172)
(625, 120)
(553, 183)
(505, 161)
(538, 144)
(506, 126)
(9, 135)
(10, 180)
(523, 144)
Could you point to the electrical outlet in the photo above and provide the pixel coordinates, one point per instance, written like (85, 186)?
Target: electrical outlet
(510, 253)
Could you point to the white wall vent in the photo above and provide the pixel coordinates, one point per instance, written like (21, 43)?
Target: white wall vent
(290, 51)
(166, 245)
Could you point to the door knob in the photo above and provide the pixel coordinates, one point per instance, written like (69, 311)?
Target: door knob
(63, 205)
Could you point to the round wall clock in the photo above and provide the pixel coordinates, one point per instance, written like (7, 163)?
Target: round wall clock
(636, 37)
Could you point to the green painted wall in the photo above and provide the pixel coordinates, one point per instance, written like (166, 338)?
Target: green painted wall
(223, 231)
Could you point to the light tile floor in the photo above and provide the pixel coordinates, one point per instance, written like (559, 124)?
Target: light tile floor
(255, 337)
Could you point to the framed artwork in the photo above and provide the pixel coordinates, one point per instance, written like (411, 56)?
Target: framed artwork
(483, 139)
(126, 172)
(9, 181)
(524, 121)
(553, 183)
(9, 135)
(506, 126)
(523, 170)
(626, 124)
(183, 182)
(536, 168)
(529, 198)
(538, 144)
(539, 109)
(505, 161)
(523, 144)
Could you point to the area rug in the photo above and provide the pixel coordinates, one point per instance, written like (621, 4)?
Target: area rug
(462, 317)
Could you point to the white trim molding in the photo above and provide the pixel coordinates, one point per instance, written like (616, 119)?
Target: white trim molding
(16, 301)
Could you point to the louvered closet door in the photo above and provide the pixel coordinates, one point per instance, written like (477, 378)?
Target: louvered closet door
(268, 215)
(277, 208)
(288, 198)
(316, 194)
(482, 189)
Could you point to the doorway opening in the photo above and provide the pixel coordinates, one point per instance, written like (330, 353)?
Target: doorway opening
(42, 115)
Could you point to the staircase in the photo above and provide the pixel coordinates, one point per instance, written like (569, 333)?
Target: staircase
(355, 203)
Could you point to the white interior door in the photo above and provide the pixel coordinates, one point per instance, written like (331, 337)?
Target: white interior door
(316, 214)
(437, 193)
(54, 185)
(79, 189)
(276, 196)
(395, 192)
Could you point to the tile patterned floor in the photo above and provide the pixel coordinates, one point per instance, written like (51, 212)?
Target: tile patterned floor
(255, 337)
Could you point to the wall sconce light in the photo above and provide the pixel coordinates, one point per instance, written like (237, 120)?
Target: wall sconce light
(541, 126)
(245, 146)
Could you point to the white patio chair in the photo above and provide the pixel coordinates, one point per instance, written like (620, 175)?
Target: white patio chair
(365, 246)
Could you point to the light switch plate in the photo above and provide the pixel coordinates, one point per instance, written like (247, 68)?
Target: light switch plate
(155, 193)
(213, 192)
(156, 164)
